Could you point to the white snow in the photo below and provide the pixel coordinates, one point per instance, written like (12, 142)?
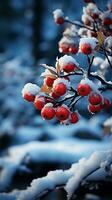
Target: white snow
(58, 13)
(92, 85)
(97, 61)
(46, 73)
(84, 168)
(64, 60)
(88, 40)
(61, 80)
(86, 17)
(31, 89)
(108, 42)
(70, 31)
(48, 105)
(91, 8)
(71, 178)
(66, 40)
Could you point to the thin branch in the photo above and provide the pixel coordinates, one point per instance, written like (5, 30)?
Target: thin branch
(78, 24)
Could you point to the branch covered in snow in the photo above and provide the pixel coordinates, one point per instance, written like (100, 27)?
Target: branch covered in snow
(70, 179)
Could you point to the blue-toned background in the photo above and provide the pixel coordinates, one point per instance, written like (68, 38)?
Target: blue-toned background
(29, 37)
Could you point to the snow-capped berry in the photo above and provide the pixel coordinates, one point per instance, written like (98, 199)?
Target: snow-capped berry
(60, 89)
(60, 86)
(74, 118)
(68, 63)
(95, 98)
(83, 89)
(49, 81)
(70, 67)
(87, 45)
(28, 97)
(73, 49)
(63, 48)
(39, 102)
(86, 19)
(106, 103)
(48, 112)
(62, 113)
(94, 15)
(86, 48)
(94, 108)
(58, 16)
(29, 91)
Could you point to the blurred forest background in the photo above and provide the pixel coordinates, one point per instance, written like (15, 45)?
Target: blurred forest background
(29, 37)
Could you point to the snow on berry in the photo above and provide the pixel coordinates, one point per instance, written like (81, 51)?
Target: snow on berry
(83, 89)
(68, 62)
(87, 45)
(58, 16)
(92, 10)
(92, 85)
(61, 80)
(31, 89)
(86, 19)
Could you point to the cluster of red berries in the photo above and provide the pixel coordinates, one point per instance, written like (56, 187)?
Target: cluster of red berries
(96, 101)
(48, 111)
(67, 48)
(56, 88)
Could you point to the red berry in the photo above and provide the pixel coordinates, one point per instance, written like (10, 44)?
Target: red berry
(94, 108)
(60, 89)
(83, 89)
(73, 50)
(106, 103)
(94, 15)
(49, 81)
(59, 20)
(107, 21)
(63, 48)
(74, 118)
(47, 112)
(86, 48)
(55, 96)
(62, 113)
(70, 67)
(28, 97)
(95, 99)
(39, 102)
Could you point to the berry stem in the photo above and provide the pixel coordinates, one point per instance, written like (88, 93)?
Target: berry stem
(78, 24)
